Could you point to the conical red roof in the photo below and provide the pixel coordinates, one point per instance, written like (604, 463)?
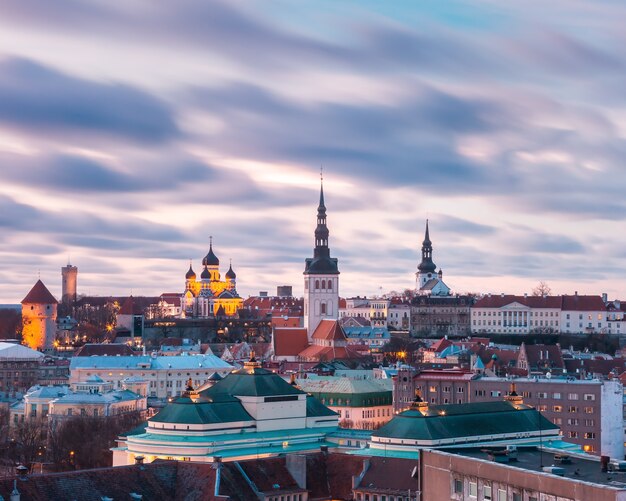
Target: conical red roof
(39, 294)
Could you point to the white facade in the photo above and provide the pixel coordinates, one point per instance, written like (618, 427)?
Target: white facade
(584, 321)
(612, 419)
(166, 376)
(321, 300)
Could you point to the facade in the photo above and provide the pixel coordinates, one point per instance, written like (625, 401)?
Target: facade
(250, 413)
(19, 367)
(440, 315)
(361, 404)
(39, 314)
(474, 475)
(399, 316)
(373, 337)
(166, 375)
(69, 277)
(321, 277)
(539, 314)
(210, 295)
(589, 412)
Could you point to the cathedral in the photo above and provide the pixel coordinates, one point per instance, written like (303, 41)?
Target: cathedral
(210, 295)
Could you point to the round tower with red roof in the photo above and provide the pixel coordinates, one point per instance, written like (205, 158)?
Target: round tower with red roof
(39, 315)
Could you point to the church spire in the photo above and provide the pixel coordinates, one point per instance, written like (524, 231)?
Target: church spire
(427, 265)
(321, 231)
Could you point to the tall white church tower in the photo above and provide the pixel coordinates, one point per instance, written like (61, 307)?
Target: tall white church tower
(321, 277)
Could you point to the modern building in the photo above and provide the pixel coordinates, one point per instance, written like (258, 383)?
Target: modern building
(321, 277)
(166, 375)
(250, 413)
(39, 314)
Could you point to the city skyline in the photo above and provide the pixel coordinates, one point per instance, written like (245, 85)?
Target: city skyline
(129, 134)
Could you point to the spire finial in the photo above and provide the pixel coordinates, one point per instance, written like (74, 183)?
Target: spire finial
(210, 240)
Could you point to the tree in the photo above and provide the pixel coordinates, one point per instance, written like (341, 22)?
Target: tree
(542, 289)
(29, 437)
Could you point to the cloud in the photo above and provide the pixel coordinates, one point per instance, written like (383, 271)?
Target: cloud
(36, 97)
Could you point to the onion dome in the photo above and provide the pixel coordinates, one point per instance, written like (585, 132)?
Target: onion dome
(210, 259)
(206, 274)
(191, 275)
(230, 273)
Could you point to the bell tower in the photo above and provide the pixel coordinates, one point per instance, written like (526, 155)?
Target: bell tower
(321, 276)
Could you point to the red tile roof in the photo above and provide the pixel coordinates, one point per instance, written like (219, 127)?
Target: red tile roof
(543, 356)
(288, 342)
(328, 330)
(130, 308)
(564, 303)
(39, 294)
(326, 353)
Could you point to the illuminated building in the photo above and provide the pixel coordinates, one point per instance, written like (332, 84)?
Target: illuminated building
(210, 295)
(39, 314)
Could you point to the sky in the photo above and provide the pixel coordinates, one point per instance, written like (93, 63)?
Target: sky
(130, 132)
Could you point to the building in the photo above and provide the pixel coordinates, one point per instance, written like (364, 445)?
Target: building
(534, 475)
(373, 337)
(525, 314)
(328, 342)
(250, 413)
(399, 316)
(589, 412)
(19, 367)
(493, 424)
(39, 314)
(375, 310)
(361, 404)
(321, 277)
(69, 276)
(440, 315)
(166, 375)
(210, 295)
(429, 282)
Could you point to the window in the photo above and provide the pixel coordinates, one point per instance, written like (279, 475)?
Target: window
(502, 495)
(588, 410)
(590, 422)
(517, 496)
(496, 393)
(487, 492)
(589, 396)
(542, 394)
(557, 408)
(458, 486)
(573, 434)
(590, 435)
(556, 396)
(473, 489)
(572, 421)
(572, 396)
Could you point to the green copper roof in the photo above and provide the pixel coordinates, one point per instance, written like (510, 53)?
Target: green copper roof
(465, 420)
(248, 382)
(184, 411)
(315, 408)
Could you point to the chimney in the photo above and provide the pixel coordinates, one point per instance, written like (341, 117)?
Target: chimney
(605, 297)
(15, 494)
(575, 293)
(525, 295)
(139, 459)
(324, 449)
(296, 465)
(217, 462)
(604, 463)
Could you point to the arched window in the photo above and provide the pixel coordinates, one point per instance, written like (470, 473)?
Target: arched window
(317, 285)
(323, 284)
(330, 285)
(323, 308)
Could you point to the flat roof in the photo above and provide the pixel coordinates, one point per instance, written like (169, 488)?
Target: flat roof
(579, 469)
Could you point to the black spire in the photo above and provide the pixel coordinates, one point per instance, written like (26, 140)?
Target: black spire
(427, 265)
(321, 262)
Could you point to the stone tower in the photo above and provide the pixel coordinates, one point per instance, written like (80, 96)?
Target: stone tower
(321, 277)
(69, 275)
(39, 314)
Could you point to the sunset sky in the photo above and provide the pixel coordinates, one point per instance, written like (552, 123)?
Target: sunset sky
(131, 131)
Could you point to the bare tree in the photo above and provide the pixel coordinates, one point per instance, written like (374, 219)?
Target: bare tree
(542, 289)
